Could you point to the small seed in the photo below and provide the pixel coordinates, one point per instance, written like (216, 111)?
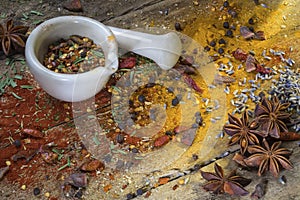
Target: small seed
(142, 98)
(23, 187)
(226, 25)
(120, 138)
(222, 41)
(195, 157)
(226, 4)
(17, 143)
(175, 101)
(135, 150)
(212, 43)
(220, 50)
(8, 163)
(178, 26)
(130, 196)
(139, 191)
(47, 194)
(251, 21)
(229, 33)
(206, 48)
(36, 191)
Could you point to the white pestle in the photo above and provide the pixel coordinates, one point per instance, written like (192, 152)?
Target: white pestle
(163, 49)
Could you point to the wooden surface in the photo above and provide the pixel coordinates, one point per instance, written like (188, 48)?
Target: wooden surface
(136, 14)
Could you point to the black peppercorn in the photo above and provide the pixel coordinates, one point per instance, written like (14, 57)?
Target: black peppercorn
(226, 4)
(220, 50)
(170, 89)
(139, 191)
(212, 43)
(178, 26)
(134, 150)
(197, 167)
(195, 157)
(222, 41)
(207, 48)
(83, 54)
(142, 98)
(17, 143)
(229, 33)
(36, 191)
(251, 21)
(175, 101)
(130, 196)
(226, 25)
(197, 114)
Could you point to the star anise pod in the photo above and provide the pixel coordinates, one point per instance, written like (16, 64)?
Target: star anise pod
(12, 36)
(219, 183)
(271, 116)
(243, 131)
(267, 158)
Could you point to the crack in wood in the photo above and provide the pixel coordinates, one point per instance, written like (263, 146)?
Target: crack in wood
(190, 171)
(142, 6)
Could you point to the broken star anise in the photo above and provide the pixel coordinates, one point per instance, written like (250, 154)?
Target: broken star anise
(272, 117)
(267, 158)
(243, 131)
(12, 37)
(219, 183)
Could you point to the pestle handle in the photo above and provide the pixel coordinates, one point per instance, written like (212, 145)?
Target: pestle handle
(163, 49)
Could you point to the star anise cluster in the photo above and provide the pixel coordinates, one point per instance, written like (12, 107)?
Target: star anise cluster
(219, 183)
(243, 131)
(260, 138)
(12, 37)
(268, 158)
(272, 116)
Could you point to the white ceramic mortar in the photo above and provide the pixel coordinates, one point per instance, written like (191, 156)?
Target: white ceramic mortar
(71, 87)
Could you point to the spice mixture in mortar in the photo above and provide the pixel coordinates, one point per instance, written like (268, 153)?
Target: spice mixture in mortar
(76, 54)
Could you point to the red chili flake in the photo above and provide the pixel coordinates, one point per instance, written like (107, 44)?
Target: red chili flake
(107, 188)
(262, 69)
(175, 187)
(92, 166)
(147, 194)
(74, 6)
(163, 180)
(192, 83)
(33, 132)
(127, 63)
(239, 54)
(161, 141)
